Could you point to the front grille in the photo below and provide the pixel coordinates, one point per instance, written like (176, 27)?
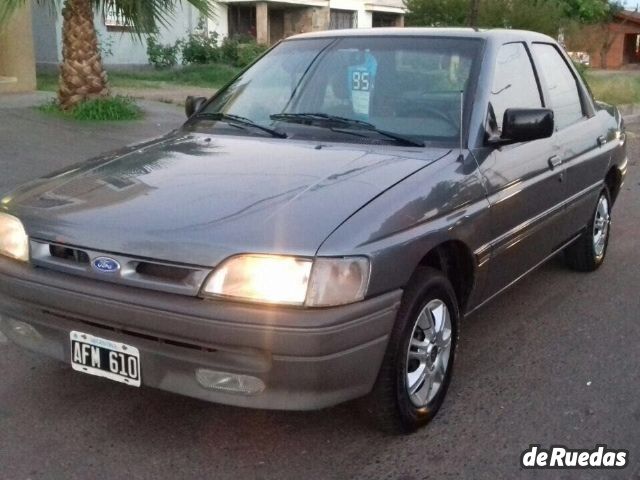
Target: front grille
(71, 254)
(156, 270)
(137, 272)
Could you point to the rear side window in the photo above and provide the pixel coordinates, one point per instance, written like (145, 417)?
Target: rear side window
(561, 85)
(514, 84)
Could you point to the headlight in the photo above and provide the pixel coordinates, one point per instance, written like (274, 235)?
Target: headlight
(290, 280)
(14, 242)
(262, 278)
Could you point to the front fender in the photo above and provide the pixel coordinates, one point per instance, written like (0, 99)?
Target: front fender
(445, 201)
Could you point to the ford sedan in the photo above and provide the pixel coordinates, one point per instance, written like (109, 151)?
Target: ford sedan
(318, 229)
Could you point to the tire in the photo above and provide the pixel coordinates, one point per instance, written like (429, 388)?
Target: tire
(390, 404)
(588, 252)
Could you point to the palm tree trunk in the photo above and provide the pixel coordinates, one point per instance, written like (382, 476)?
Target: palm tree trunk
(82, 76)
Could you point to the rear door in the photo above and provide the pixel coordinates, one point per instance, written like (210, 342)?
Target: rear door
(525, 190)
(581, 139)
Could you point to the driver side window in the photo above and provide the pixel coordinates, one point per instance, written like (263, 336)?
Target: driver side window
(514, 83)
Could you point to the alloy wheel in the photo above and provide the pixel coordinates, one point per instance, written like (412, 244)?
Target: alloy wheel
(601, 227)
(429, 353)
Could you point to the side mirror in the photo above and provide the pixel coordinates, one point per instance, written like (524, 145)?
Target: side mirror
(193, 104)
(525, 125)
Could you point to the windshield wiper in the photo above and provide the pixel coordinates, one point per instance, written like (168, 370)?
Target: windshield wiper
(343, 125)
(239, 121)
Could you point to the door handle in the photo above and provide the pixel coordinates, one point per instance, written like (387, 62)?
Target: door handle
(602, 140)
(555, 162)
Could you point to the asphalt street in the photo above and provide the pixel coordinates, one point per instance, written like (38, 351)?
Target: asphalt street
(553, 361)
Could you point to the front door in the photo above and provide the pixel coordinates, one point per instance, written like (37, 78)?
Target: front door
(525, 182)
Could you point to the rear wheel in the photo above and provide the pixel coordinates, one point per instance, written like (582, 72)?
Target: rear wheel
(588, 252)
(418, 363)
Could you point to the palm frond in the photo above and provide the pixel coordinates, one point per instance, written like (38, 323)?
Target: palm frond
(7, 7)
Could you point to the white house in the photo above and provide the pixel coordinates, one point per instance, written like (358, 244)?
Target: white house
(267, 21)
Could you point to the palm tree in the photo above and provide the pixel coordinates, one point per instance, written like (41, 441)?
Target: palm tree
(82, 75)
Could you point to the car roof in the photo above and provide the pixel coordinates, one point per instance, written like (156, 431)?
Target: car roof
(498, 35)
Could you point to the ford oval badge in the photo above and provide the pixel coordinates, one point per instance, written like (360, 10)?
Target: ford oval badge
(106, 265)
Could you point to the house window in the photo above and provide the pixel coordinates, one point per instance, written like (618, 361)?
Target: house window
(384, 20)
(242, 21)
(113, 21)
(341, 19)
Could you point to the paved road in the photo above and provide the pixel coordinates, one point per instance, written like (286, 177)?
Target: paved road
(553, 361)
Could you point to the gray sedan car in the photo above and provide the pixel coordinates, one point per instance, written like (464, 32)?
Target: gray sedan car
(317, 230)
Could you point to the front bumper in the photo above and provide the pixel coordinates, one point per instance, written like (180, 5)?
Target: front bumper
(308, 359)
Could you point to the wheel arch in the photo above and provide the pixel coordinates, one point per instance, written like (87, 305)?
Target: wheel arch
(613, 181)
(456, 261)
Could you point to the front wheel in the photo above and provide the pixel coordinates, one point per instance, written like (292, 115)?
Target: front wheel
(418, 363)
(588, 252)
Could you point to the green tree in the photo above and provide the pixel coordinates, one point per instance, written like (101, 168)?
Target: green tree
(437, 13)
(82, 75)
(587, 11)
(546, 16)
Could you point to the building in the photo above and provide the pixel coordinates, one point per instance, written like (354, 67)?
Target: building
(270, 21)
(266, 21)
(616, 45)
(17, 66)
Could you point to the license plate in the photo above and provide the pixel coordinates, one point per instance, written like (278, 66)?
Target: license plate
(105, 358)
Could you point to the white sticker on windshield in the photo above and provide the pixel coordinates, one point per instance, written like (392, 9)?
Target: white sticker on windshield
(360, 91)
(361, 82)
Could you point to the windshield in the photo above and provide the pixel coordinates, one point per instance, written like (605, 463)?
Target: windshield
(409, 86)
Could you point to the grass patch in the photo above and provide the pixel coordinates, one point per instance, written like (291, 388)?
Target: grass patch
(208, 76)
(47, 82)
(109, 109)
(617, 88)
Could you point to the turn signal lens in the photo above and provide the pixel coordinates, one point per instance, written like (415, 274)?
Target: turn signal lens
(338, 281)
(14, 242)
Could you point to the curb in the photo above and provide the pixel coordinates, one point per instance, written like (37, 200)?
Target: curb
(629, 109)
(630, 113)
(631, 119)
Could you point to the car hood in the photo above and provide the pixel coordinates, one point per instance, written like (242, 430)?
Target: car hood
(196, 199)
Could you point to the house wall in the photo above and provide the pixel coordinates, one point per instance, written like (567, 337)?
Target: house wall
(592, 38)
(17, 59)
(305, 19)
(364, 17)
(220, 24)
(126, 47)
(47, 25)
(615, 55)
